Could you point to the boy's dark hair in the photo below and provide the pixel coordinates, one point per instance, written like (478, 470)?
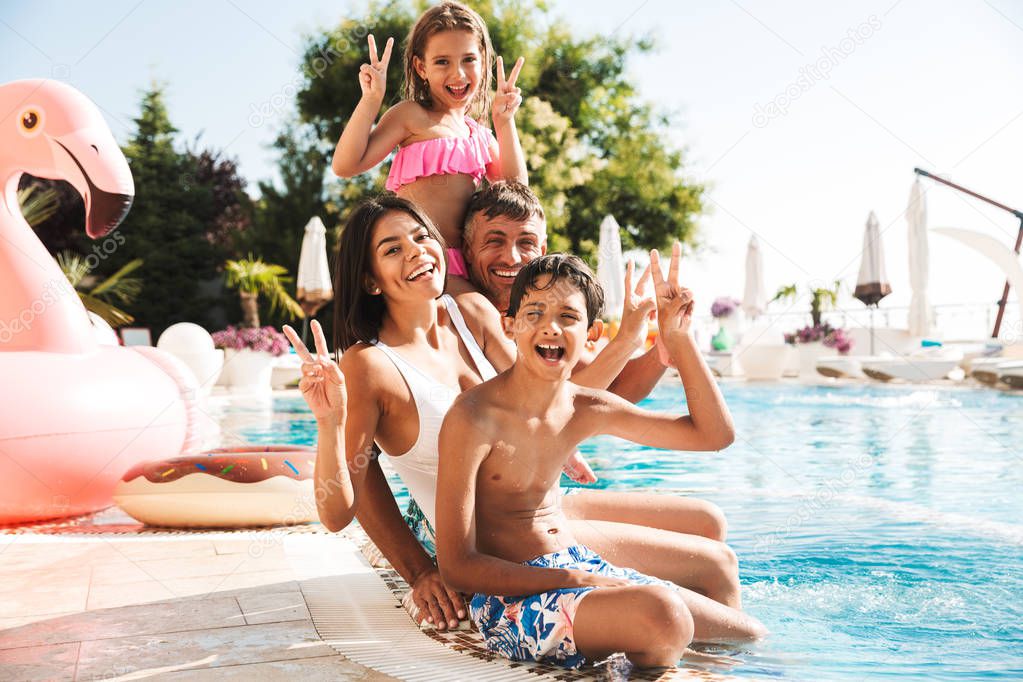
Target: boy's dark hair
(504, 199)
(357, 313)
(562, 267)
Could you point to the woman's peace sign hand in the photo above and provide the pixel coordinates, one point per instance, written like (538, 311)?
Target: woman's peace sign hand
(674, 301)
(373, 76)
(508, 97)
(322, 383)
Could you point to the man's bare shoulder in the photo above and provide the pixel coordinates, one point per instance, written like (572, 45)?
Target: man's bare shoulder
(469, 298)
(459, 286)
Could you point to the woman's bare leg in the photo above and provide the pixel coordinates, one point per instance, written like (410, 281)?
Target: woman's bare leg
(667, 512)
(650, 623)
(705, 566)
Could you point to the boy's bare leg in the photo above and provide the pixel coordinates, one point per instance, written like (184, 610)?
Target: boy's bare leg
(691, 561)
(667, 512)
(650, 623)
(716, 622)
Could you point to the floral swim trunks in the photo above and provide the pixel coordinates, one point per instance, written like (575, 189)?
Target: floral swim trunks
(417, 522)
(539, 627)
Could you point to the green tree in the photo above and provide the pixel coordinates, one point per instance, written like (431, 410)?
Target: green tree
(284, 208)
(252, 277)
(593, 146)
(166, 225)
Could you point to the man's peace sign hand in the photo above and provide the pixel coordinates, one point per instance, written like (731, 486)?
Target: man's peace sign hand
(373, 76)
(508, 97)
(674, 301)
(322, 383)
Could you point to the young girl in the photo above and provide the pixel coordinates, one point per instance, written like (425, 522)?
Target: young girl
(444, 150)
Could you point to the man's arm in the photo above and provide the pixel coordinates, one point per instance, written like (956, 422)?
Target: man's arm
(483, 320)
(636, 379)
(613, 368)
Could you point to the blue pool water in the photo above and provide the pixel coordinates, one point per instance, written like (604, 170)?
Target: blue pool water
(879, 529)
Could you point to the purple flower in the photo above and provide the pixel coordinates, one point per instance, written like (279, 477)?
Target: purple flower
(723, 306)
(825, 333)
(266, 339)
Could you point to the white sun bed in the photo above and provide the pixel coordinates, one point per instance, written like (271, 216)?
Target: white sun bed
(842, 366)
(1011, 373)
(926, 365)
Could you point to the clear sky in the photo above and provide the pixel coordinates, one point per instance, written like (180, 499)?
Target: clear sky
(800, 116)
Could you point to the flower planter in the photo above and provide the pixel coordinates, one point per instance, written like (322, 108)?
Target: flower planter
(247, 370)
(809, 354)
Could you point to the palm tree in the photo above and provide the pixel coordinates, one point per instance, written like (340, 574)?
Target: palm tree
(98, 298)
(252, 277)
(821, 298)
(37, 204)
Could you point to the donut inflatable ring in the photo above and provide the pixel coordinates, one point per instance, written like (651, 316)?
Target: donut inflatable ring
(224, 488)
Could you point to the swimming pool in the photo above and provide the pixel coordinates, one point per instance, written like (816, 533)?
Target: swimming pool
(878, 527)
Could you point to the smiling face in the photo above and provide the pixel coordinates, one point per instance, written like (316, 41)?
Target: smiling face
(550, 327)
(452, 65)
(406, 261)
(497, 248)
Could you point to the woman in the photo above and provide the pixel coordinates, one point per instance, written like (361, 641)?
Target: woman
(408, 352)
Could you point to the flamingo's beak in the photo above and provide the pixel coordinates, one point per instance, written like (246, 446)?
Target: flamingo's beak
(93, 163)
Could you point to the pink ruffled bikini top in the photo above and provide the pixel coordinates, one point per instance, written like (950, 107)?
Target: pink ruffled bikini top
(443, 155)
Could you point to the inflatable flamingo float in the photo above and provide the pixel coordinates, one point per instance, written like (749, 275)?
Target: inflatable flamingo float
(74, 415)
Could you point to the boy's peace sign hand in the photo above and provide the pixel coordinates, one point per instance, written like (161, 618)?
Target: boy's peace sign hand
(322, 383)
(674, 301)
(373, 76)
(508, 97)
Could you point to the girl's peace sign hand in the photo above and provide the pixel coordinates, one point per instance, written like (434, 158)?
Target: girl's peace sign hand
(674, 301)
(508, 97)
(322, 383)
(373, 76)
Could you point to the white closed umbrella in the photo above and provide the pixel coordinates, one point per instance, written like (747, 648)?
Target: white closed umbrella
(313, 279)
(754, 297)
(611, 267)
(872, 283)
(920, 315)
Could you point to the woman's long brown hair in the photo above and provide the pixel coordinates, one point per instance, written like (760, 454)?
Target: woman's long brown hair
(358, 314)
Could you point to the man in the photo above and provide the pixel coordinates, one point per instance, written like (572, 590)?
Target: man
(505, 228)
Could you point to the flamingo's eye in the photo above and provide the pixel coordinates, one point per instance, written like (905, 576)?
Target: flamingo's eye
(30, 121)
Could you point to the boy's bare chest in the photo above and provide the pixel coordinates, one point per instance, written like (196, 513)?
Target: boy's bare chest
(530, 456)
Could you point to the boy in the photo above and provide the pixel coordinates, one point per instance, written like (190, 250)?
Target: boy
(503, 445)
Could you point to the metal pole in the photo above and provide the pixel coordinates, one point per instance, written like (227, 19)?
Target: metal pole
(871, 308)
(1005, 290)
(1019, 238)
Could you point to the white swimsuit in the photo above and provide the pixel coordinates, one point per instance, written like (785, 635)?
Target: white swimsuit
(418, 467)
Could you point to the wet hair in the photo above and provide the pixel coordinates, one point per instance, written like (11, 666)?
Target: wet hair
(448, 16)
(562, 267)
(357, 313)
(505, 199)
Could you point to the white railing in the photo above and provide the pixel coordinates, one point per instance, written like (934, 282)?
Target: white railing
(952, 321)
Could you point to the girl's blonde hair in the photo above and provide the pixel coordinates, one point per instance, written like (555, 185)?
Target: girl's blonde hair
(448, 16)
